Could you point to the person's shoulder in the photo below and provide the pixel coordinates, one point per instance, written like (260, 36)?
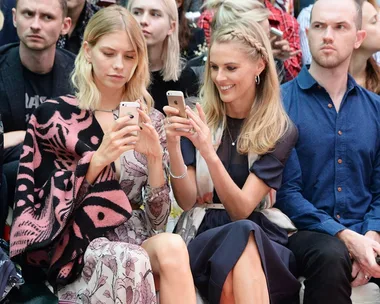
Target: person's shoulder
(369, 95)
(288, 89)
(7, 51)
(64, 57)
(60, 105)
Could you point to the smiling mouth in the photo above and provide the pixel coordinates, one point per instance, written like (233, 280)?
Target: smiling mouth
(225, 88)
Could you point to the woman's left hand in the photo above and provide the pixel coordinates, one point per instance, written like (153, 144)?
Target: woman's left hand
(201, 136)
(148, 142)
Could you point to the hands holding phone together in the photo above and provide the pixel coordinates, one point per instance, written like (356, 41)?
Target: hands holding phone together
(192, 126)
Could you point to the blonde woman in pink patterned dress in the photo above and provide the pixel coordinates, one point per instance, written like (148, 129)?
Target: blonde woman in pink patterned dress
(91, 194)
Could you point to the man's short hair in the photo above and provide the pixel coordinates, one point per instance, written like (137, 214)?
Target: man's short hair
(359, 13)
(63, 4)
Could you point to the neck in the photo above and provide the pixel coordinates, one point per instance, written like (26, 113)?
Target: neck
(74, 14)
(155, 61)
(110, 99)
(358, 66)
(334, 80)
(40, 62)
(239, 109)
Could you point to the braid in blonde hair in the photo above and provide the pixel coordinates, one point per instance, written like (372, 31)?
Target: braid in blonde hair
(253, 42)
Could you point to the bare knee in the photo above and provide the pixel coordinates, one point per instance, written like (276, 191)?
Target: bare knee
(172, 253)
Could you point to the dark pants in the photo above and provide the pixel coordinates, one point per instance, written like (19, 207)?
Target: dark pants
(10, 170)
(3, 204)
(325, 263)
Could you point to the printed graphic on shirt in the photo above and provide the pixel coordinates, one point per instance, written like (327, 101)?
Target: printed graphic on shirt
(31, 103)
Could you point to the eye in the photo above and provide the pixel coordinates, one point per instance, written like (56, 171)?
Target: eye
(28, 14)
(213, 67)
(341, 27)
(129, 57)
(136, 13)
(47, 17)
(108, 54)
(231, 68)
(155, 14)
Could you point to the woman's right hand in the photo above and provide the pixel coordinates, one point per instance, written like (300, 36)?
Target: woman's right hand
(115, 142)
(175, 125)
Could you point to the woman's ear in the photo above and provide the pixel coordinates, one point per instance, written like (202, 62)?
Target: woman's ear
(260, 66)
(172, 27)
(87, 51)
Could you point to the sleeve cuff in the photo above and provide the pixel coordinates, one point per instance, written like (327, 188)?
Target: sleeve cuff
(371, 225)
(331, 227)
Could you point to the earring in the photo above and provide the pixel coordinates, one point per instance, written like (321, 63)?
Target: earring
(257, 79)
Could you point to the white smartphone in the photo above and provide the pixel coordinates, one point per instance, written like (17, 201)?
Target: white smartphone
(130, 108)
(276, 32)
(177, 100)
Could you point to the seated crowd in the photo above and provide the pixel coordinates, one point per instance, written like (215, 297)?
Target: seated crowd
(263, 130)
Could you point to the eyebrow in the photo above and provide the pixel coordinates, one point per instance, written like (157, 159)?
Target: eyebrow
(112, 49)
(228, 63)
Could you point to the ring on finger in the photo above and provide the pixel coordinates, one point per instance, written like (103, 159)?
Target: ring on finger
(168, 121)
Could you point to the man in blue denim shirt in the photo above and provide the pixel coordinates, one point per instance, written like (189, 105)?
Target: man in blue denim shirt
(331, 187)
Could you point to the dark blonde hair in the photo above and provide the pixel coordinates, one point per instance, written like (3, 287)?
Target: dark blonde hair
(267, 120)
(108, 20)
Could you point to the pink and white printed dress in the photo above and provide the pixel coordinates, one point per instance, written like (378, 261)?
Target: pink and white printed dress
(86, 237)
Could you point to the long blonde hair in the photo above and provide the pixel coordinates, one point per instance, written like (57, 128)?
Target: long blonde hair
(230, 10)
(108, 20)
(171, 55)
(267, 120)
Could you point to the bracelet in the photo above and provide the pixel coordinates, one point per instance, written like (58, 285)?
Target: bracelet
(177, 176)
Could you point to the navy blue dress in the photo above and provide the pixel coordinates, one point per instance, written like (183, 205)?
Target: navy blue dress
(220, 242)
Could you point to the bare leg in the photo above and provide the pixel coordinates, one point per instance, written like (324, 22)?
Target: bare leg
(170, 264)
(247, 278)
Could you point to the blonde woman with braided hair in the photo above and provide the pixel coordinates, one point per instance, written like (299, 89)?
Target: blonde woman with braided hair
(224, 161)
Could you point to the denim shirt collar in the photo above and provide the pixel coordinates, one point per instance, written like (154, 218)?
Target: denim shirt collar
(306, 81)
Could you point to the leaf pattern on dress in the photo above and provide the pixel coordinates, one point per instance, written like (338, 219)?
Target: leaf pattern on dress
(134, 170)
(110, 262)
(141, 158)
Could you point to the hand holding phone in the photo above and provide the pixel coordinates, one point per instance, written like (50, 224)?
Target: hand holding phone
(276, 33)
(130, 108)
(177, 100)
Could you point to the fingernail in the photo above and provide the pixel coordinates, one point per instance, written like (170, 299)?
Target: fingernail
(131, 116)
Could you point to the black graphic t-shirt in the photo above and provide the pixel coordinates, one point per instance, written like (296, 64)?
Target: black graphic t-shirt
(38, 88)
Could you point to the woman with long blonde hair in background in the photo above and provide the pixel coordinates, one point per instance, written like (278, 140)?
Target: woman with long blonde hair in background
(227, 159)
(92, 194)
(160, 25)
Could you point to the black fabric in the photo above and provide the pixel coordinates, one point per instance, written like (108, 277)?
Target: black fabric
(188, 83)
(74, 42)
(197, 43)
(38, 87)
(3, 203)
(12, 86)
(325, 263)
(268, 167)
(10, 168)
(215, 252)
(8, 34)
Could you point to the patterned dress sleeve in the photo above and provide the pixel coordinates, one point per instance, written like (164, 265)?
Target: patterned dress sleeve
(269, 167)
(56, 213)
(157, 200)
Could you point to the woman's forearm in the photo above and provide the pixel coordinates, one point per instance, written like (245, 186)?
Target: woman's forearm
(156, 176)
(239, 203)
(185, 190)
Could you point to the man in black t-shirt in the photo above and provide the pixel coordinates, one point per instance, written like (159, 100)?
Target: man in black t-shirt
(31, 72)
